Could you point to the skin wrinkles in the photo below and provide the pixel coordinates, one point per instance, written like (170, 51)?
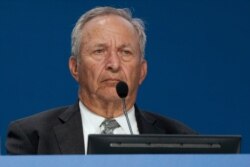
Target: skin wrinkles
(109, 53)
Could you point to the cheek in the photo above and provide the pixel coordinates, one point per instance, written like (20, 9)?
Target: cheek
(91, 72)
(132, 75)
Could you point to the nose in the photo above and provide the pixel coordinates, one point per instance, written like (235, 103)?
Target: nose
(113, 62)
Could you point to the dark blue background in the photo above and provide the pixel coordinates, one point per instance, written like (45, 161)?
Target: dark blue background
(197, 51)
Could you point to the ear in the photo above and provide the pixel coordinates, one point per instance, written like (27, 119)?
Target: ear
(144, 70)
(73, 68)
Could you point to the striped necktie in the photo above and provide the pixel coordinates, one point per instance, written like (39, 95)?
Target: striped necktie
(109, 125)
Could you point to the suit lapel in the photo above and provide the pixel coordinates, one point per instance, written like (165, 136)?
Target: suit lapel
(69, 134)
(146, 124)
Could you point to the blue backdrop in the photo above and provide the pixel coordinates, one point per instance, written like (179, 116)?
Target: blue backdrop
(197, 51)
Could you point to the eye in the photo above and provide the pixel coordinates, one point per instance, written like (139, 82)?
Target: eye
(99, 51)
(127, 52)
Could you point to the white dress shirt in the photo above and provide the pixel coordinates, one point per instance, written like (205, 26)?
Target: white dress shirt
(91, 123)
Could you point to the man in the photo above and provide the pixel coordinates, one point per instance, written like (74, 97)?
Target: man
(107, 47)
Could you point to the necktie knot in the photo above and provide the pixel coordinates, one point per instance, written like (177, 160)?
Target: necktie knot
(109, 125)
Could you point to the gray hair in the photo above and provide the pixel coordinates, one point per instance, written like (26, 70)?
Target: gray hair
(76, 35)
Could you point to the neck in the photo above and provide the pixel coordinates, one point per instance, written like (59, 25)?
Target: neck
(105, 108)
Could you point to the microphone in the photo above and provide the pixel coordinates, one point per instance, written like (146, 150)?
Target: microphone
(122, 91)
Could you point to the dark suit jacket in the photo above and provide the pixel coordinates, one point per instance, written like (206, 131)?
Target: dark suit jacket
(59, 131)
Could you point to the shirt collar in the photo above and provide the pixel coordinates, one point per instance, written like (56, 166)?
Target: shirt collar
(92, 121)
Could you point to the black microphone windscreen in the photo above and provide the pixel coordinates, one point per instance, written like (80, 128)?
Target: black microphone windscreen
(122, 89)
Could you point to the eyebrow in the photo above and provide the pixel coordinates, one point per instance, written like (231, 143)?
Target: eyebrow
(126, 44)
(119, 47)
(100, 45)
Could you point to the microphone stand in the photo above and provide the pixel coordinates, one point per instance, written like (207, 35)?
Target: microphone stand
(126, 115)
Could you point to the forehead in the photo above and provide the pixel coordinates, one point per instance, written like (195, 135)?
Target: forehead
(109, 25)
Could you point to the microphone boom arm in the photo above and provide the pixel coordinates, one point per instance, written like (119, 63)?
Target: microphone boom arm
(126, 115)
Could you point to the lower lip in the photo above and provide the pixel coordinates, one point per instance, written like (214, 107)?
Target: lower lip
(111, 81)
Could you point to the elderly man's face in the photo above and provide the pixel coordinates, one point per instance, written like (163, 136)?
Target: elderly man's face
(109, 53)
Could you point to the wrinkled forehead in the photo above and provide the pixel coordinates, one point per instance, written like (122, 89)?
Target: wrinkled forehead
(110, 25)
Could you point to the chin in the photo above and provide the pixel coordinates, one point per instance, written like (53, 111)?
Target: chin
(109, 100)
(109, 94)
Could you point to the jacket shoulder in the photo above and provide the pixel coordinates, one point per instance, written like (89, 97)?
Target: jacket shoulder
(45, 117)
(24, 134)
(169, 125)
